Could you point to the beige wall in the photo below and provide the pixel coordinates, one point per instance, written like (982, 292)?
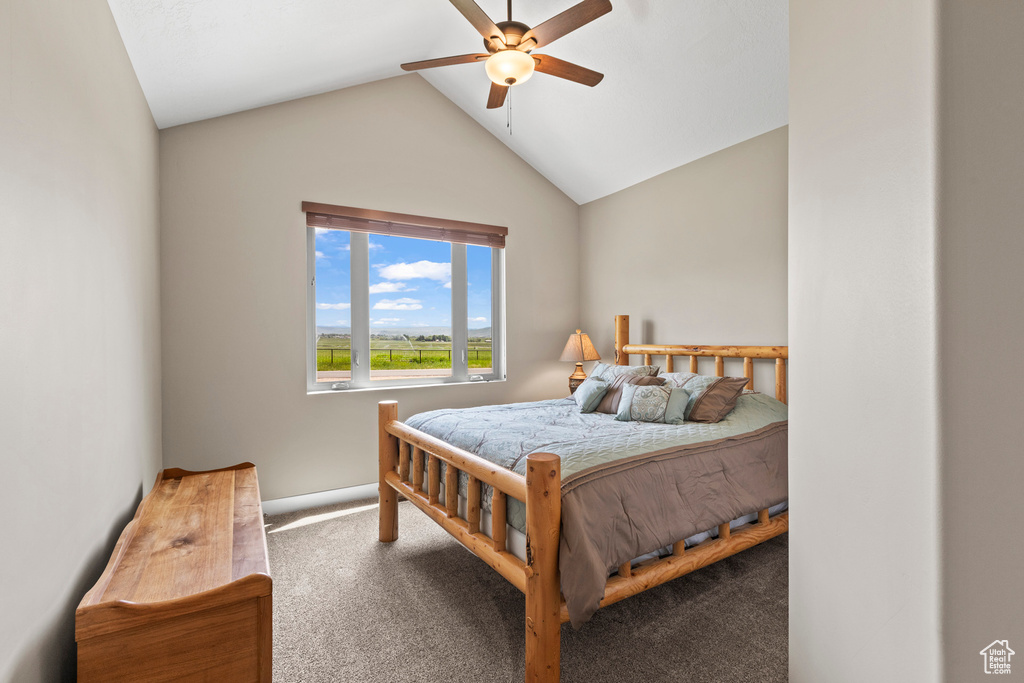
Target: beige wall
(234, 272)
(981, 236)
(696, 255)
(79, 337)
(863, 450)
(905, 283)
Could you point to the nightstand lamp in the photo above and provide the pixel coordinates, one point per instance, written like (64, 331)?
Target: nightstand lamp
(578, 349)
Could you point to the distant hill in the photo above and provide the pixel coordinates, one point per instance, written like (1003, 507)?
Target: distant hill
(409, 331)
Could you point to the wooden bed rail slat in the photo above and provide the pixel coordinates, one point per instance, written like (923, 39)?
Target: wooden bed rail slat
(451, 490)
(719, 366)
(498, 520)
(504, 480)
(433, 479)
(708, 351)
(403, 461)
(748, 371)
(693, 364)
(506, 564)
(473, 505)
(780, 380)
(417, 469)
(674, 566)
(670, 363)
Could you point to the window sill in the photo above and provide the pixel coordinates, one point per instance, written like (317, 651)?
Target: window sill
(403, 387)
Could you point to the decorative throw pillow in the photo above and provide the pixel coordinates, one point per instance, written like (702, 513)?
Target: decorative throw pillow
(678, 379)
(711, 398)
(589, 394)
(610, 403)
(675, 412)
(610, 372)
(647, 403)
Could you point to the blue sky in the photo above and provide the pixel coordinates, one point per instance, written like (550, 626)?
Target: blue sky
(410, 282)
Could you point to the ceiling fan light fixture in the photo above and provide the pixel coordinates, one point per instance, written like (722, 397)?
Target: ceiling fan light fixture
(509, 67)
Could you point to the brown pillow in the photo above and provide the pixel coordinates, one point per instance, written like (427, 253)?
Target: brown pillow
(715, 402)
(610, 403)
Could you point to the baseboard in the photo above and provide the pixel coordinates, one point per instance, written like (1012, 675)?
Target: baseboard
(279, 506)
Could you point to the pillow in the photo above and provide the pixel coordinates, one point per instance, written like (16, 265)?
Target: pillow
(711, 398)
(678, 379)
(675, 412)
(610, 372)
(610, 403)
(647, 403)
(589, 394)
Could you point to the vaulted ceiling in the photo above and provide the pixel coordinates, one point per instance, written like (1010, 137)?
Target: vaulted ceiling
(683, 78)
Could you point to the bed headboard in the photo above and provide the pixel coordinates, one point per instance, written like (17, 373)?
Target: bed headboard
(623, 350)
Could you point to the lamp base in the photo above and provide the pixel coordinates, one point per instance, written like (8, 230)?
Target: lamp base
(576, 378)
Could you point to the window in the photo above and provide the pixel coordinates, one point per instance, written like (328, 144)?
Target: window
(398, 300)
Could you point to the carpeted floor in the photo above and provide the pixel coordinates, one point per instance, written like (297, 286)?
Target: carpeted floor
(423, 609)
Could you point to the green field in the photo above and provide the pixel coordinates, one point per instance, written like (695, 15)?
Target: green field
(333, 353)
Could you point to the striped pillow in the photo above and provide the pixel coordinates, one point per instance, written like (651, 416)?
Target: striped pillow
(610, 403)
(711, 398)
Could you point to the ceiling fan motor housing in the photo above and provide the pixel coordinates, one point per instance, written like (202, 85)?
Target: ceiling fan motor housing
(514, 32)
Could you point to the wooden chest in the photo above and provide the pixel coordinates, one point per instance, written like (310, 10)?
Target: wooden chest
(187, 592)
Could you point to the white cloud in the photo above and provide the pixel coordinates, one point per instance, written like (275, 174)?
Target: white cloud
(385, 321)
(375, 245)
(389, 287)
(478, 320)
(320, 254)
(448, 285)
(429, 270)
(333, 307)
(403, 304)
(341, 322)
(321, 231)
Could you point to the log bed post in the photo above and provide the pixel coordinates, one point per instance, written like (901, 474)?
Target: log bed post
(543, 595)
(621, 339)
(387, 411)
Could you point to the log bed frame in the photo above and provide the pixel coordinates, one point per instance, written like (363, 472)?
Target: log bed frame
(402, 449)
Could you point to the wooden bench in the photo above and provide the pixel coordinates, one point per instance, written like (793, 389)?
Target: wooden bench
(187, 592)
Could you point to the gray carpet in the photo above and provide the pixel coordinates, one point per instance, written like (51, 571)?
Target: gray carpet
(423, 609)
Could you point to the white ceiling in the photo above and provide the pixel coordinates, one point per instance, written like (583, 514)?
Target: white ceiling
(683, 78)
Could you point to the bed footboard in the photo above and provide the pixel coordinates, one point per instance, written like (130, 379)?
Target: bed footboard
(401, 453)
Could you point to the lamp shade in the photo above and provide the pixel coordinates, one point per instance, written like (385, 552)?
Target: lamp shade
(579, 348)
(509, 67)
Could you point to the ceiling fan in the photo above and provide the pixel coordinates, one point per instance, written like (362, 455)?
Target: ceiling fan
(509, 43)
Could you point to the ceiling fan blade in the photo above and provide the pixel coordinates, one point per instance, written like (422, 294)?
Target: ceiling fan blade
(481, 22)
(496, 97)
(566, 22)
(572, 72)
(443, 61)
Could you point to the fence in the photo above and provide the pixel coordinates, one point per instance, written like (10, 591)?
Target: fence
(403, 355)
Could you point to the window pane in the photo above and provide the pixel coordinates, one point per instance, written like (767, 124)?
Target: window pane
(333, 303)
(410, 308)
(478, 267)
